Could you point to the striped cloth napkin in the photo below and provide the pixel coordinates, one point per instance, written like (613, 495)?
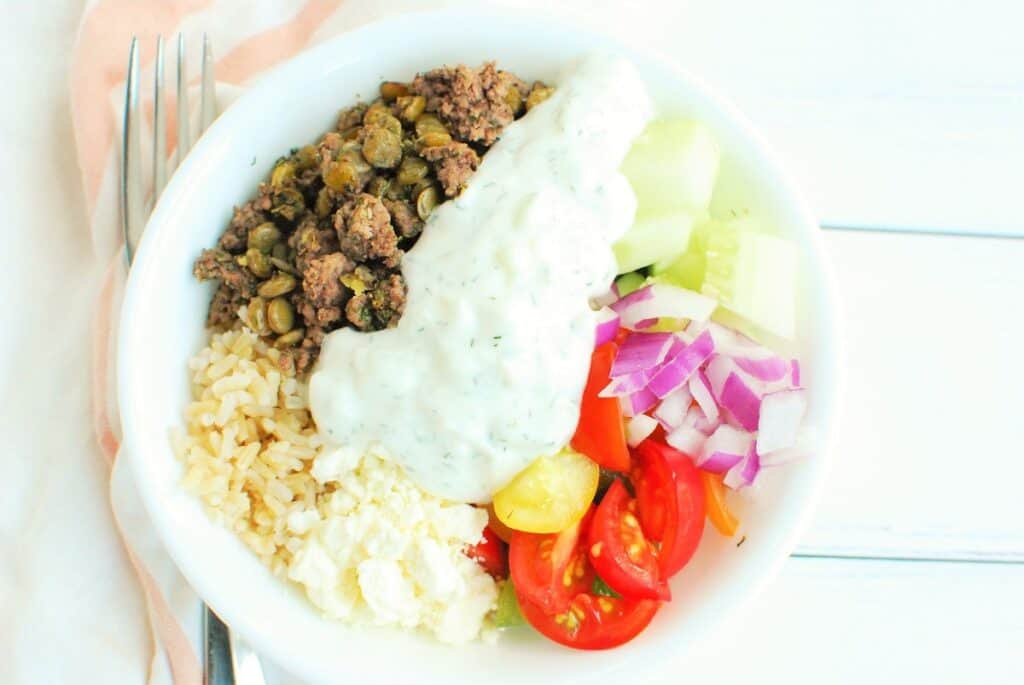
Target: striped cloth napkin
(247, 38)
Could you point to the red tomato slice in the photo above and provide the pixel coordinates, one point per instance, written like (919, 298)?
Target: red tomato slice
(549, 570)
(670, 501)
(620, 553)
(600, 434)
(592, 622)
(490, 553)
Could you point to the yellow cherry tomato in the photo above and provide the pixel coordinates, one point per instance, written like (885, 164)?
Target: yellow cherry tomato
(549, 495)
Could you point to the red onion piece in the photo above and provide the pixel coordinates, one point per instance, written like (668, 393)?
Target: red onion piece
(700, 389)
(642, 400)
(638, 295)
(638, 428)
(687, 440)
(640, 352)
(794, 373)
(645, 324)
(779, 422)
(726, 440)
(741, 401)
(675, 372)
(766, 369)
(626, 385)
(607, 326)
(672, 409)
(720, 462)
(743, 474)
(663, 300)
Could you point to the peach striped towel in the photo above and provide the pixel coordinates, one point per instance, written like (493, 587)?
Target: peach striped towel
(247, 37)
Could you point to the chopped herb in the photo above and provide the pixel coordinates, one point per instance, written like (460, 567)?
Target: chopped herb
(742, 540)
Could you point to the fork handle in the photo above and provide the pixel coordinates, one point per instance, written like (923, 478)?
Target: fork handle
(218, 662)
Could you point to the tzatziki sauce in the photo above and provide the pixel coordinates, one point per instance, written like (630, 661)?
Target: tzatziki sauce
(485, 370)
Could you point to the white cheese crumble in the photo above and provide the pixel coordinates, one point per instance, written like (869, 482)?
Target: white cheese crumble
(380, 551)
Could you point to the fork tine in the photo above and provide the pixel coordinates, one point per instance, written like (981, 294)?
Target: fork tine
(159, 127)
(207, 102)
(184, 140)
(132, 213)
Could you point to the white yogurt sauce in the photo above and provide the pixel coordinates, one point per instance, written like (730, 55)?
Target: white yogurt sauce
(485, 370)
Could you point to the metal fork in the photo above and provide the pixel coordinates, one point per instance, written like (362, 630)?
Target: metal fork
(226, 661)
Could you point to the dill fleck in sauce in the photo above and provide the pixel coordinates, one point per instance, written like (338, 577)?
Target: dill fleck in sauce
(484, 371)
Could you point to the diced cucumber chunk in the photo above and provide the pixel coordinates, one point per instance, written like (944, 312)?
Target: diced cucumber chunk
(627, 283)
(754, 276)
(750, 273)
(653, 238)
(672, 167)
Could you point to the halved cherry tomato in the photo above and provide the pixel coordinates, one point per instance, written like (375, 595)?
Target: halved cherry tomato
(621, 335)
(670, 501)
(592, 622)
(600, 433)
(550, 569)
(620, 553)
(490, 553)
(718, 511)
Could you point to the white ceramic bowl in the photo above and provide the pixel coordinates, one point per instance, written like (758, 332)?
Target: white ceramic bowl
(162, 326)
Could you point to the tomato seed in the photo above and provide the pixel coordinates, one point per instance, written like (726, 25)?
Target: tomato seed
(595, 550)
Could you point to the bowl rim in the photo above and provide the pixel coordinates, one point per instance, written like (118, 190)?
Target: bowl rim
(134, 296)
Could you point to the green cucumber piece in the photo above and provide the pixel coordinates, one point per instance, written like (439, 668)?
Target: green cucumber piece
(653, 238)
(627, 283)
(672, 167)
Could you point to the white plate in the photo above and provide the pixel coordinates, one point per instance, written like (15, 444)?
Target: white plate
(162, 326)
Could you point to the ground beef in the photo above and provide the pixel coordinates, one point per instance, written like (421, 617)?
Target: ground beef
(248, 216)
(312, 239)
(474, 103)
(219, 265)
(404, 218)
(454, 163)
(224, 307)
(339, 219)
(364, 229)
(321, 280)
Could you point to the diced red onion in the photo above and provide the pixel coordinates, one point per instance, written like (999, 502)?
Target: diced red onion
(743, 474)
(672, 409)
(727, 445)
(675, 372)
(720, 462)
(735, 344)
(765, 369)
(698, 420)
(687, 440)
(637, 402)
(779, 422)
(638, 428)
(663, 300)
(700, 389)
(626, 385)
(638, 295)
(607, 326)
(794, 373)
(645, 324)
(640, 352)
(741, 401)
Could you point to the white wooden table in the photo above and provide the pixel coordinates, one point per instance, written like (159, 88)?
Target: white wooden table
(904, 121)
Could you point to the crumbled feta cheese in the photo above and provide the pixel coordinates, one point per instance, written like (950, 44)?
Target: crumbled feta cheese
(380, 551)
